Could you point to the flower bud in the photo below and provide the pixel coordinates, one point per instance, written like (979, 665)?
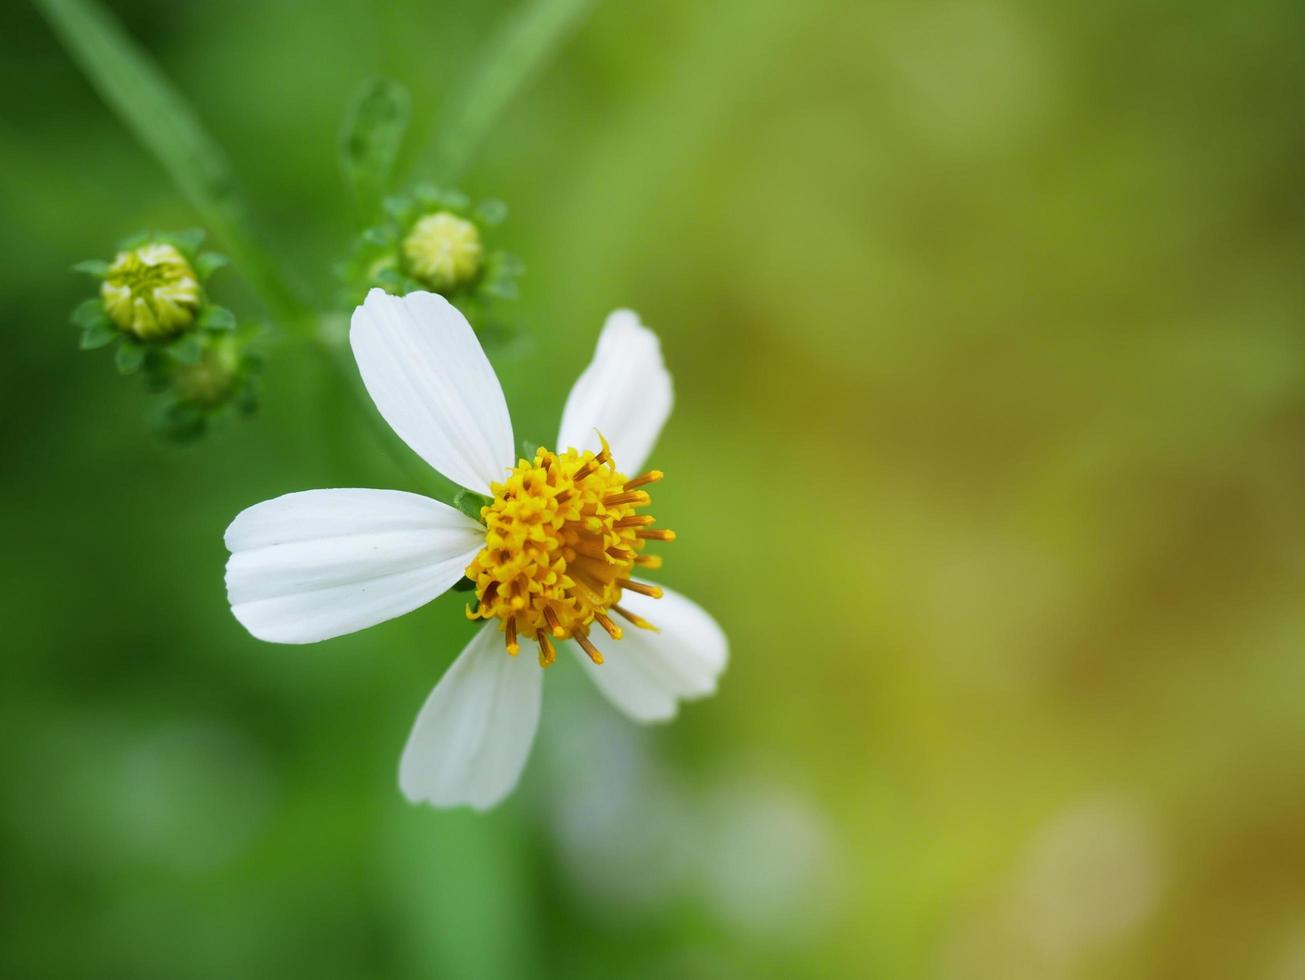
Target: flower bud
(151, 291)
(443, 251)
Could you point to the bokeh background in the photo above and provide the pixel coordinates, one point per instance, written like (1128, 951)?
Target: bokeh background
(987, 323)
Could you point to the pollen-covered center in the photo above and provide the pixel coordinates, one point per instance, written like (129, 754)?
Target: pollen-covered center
(563, 536)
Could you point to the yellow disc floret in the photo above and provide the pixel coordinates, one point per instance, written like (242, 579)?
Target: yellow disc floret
(151, 291)
(443, 250)
(562, 539)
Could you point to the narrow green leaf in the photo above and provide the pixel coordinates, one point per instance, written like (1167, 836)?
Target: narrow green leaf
(217, 318)
(92, 267)
(370, 139)
(146, 102)
(129, 357)
(527, 38)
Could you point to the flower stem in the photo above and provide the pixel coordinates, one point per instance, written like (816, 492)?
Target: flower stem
(521, 45)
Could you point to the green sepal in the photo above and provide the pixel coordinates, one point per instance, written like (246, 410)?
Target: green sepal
(129, 356)
(463, 584)
(134, 241)
(93, 267)
(528, 449)
(216, 318)
(98, 334)
(380, 235)
(471, 503)
(89, 313)
(186, 349)
(209, 263)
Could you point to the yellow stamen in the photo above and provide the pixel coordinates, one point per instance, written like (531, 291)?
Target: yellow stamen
(636, 520)
(547, 652)
(652, 476)
(642, 588)
(638, 621)
(636, 497)
(513, 647)
(595, 654)
(613, 630)
(662, 535)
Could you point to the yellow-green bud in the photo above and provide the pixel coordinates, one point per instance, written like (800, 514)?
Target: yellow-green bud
(443, 250)
(151, 291)
(208, 381)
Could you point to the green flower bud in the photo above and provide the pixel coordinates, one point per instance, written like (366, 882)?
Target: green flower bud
(211, 378)
(443, 251)
(151, 291)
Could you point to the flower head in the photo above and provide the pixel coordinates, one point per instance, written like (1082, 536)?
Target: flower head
(151, 291)
(443, 251)
(554, 553)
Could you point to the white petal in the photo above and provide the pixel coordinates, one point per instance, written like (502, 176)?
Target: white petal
(426, 372)
(645, 673)
(473, 734)
(317, 564)
(624, 393)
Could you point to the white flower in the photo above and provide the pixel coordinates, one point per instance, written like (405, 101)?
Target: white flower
(553, 556)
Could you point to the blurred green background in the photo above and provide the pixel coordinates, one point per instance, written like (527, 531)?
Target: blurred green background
(986, 323)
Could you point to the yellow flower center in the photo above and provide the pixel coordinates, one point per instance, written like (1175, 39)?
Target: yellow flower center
(562, 539)
(443, 250)
(151, 291)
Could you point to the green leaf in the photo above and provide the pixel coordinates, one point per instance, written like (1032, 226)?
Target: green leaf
(129, 357)
(470, 503)
(208, 263)
(524, 42)
(187, 349)
(463, 584)
(92, 267)
(146, 102)
(217, 318)
(370, 139)
(88, 313)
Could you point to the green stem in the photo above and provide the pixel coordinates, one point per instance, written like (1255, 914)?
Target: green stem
(520, 46)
